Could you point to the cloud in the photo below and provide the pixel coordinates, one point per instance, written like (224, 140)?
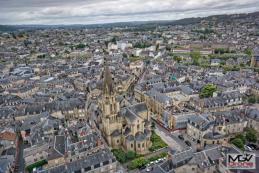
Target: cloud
(106, 11)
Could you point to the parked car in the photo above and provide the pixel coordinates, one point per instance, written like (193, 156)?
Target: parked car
(181, 137)
(142, 167)
(149, 169)
(253, 146)
(247, 148)
(188, 143)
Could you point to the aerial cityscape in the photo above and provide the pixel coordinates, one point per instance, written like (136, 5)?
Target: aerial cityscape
(136, 93)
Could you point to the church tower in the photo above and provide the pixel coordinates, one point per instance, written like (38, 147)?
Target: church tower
(111, 122)
(110, 107)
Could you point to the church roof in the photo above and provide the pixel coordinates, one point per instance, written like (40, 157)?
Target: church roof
(116, 133)
(140, 136)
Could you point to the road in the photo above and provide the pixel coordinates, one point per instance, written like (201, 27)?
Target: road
(19, 164)
(171, 140)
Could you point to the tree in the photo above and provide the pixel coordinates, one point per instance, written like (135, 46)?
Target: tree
(242, 137)
(114, 40)
(141, 45)
(251, 135)
(249, 52)
(137, 163)
(196, 58)
(153, 125)
(238, 143)
(130, 155)
(177, 58)
(251, 100)
(207, 90)
(80, 46)
(120, 155)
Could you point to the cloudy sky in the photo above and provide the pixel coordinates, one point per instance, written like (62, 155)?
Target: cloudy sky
(107, 11)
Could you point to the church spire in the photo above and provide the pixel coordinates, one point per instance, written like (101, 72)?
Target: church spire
(107, 81)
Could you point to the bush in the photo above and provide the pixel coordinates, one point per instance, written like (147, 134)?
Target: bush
(157, 142)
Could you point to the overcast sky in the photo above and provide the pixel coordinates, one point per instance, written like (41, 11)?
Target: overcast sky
(107, 11)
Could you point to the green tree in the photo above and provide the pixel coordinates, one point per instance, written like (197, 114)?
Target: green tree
(238, 143)
(251, 135)
(177, 58)
(207, 90)
(242, 137)
(80, 46)
(142, 45)
(114, 40)
(137, 163)
(153, 125)
(196, 58)
(249, 52)
(120, 155)
(252, 99)
(130, 155)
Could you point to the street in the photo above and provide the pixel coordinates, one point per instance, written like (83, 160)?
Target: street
(171, 140)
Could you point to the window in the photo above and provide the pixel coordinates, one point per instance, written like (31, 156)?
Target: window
(138, 145)
(131, 145)
(118, 141)
(143, 145)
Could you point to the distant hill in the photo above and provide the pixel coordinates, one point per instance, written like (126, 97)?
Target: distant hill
(146, 24)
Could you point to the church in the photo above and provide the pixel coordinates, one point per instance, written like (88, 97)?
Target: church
(128, 127)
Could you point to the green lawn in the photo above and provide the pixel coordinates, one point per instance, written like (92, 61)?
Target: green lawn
(157, 142)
